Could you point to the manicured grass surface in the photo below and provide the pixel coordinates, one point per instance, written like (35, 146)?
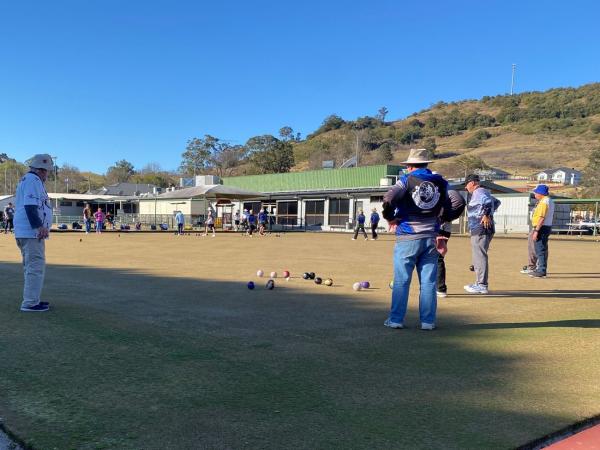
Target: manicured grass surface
(155, 342)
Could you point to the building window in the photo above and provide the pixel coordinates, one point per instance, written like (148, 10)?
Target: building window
(66, 203)
(377, 199)
(339, 210)
(254, 206)
(287, 212)
(314, 212)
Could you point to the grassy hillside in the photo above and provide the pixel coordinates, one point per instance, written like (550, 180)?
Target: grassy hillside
(520, 134)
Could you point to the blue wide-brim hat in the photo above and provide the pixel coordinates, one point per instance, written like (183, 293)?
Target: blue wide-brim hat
(541, 189)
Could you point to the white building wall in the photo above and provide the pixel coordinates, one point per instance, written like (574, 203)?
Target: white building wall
(166, 206)
(513, 214)
(559, 176)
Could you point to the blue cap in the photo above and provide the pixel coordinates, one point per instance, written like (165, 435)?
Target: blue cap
(541, 189)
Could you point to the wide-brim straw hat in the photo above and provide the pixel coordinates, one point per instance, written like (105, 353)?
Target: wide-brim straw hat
(418, 156)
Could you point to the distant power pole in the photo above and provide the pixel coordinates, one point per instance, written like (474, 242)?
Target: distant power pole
(512, 82)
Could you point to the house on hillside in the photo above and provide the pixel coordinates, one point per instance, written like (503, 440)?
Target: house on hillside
(127, 189)
(562, 175)
(492, 174)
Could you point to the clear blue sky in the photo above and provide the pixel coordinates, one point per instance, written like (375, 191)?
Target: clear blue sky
(97, 81)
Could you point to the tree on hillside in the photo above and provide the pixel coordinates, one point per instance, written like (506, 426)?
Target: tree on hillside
(286, 133)
(591, 175)
(71, 179)
(4, 157)
(381, 113)
(195, 158)
(152, 173)
(119, 173)
(365, 122)
(429, 144)
(211, 154)
(468, 163)
(92, 181)
(226, 158)
(331, 122)
(384, 153)
(270, 155)
(11, 172)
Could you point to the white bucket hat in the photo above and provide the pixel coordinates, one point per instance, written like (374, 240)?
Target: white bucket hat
(42, 161)
(418, 156)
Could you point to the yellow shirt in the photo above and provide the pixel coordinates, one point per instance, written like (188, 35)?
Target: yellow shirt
(545, 209)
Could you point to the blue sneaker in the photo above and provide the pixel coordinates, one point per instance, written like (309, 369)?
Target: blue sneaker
(45, 304)
(35, 308)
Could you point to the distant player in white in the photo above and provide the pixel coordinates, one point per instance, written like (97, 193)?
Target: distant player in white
(33, 219)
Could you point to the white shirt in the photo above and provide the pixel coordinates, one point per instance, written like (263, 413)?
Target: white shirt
(31, 191)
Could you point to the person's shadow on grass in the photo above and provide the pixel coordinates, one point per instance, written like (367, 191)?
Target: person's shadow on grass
(579, 323)
(583, 294)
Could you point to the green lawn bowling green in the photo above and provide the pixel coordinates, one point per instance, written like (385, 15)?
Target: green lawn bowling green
(154, 341)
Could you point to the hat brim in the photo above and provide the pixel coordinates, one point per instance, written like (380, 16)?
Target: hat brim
(414, 161)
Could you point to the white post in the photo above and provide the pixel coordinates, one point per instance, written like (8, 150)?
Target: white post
(512, 82)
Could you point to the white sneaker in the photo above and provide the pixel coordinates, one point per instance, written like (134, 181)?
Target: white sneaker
(527, 270)
(476, 289)
(427, 326)
(390, 324)
(353, 239)
(441, 294)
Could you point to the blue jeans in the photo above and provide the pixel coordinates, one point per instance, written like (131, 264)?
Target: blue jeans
(541, 248)
(88, 225)
(408, 254)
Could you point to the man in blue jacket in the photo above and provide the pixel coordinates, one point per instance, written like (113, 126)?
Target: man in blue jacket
(360, 225)
(374, 224)
(414, 205)
(480, 216)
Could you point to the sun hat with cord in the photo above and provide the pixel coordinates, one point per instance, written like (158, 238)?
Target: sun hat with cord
(418, 156)
(41, 161)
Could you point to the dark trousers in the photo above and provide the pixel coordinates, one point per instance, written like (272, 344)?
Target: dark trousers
(360, 227)
(541, 249)
(179, 228)
(8, 225)
(374, 230)
(441, 274)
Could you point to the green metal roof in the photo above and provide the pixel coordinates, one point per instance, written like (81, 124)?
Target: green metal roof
(354, 177)
(577, 200)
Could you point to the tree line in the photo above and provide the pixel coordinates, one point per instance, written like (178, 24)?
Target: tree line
(338, 140)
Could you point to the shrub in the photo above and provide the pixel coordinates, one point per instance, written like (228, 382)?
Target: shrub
(472, 142)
